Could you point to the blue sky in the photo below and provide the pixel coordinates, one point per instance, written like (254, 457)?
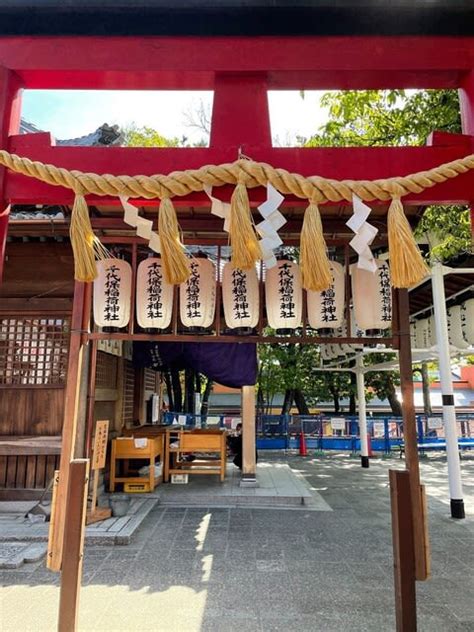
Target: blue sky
(72, 113)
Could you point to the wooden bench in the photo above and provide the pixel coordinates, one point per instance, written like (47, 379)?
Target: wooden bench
(27, 464)
(203, 442)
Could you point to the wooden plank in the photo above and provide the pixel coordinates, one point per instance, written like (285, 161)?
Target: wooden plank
(28, 445)
(11, 472)
(30, 472)
(403, 551)
(3, 470)
(40, 471)
(73, 545)
(20, 472)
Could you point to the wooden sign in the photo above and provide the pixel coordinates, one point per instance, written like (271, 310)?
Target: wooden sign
(100, 444)
(96, 514)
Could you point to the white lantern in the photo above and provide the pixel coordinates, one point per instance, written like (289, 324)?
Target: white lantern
(197, 296)
(240, 297)
(456, 334)
(112, 293)
(425, 336)
(372, 297)
(284, 295)
(326, 309)
(467, 320)
(154, 295)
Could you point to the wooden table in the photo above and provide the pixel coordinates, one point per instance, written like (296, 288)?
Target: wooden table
(125, 448)
(207, 442)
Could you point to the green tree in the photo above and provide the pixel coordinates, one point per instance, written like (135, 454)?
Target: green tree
(400, 118)
(145, 136)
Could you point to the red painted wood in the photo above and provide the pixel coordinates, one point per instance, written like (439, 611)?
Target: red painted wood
(240, 115)
(352, 163)
(10, 106)
(466, 97)
(336, 62)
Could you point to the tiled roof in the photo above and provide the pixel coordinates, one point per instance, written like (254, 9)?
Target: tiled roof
(105, 135)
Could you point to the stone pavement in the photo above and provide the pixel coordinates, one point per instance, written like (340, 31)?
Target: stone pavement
(218, 569)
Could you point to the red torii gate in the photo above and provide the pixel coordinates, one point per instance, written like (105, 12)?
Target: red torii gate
(240, 70)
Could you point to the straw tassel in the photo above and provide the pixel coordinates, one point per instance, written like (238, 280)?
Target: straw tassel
(406, 261)
(85, 245)
(175, 262)
(243, 238)
(315, 268)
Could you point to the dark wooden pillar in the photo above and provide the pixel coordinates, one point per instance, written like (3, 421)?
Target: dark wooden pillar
(409, 434)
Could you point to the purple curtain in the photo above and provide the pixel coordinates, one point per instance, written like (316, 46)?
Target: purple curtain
(230, 364)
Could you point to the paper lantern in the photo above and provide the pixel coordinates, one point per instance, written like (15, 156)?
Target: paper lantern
(154, 295)
(467, 320)
(372, 297)
(112, 293)
(326, 309)
(197, 296)
(284, 296)
(455, 330)
(240, 297)
(425, 336)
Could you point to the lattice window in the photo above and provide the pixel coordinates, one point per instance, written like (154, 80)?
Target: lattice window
(128, 392)
(106, 372)
(33, 351)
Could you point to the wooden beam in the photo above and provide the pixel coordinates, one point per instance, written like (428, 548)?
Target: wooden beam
(341, 62)
(73, 545)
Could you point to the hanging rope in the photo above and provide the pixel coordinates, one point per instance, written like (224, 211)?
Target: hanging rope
(406, 260)
(179, 183)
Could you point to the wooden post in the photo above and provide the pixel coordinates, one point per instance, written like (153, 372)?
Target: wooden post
(71, 400)
(249, 466)
(73, 545)
(403, 551)
(410, 438)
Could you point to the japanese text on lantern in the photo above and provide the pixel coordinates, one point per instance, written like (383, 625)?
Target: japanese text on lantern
(385, 293)
(112, 293)
(193, 304)
(239, 294)
(154, 291)
(328, 304)
(286, 291)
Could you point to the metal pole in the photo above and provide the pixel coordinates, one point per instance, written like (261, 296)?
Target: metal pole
(364, 448)
(449, 411)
